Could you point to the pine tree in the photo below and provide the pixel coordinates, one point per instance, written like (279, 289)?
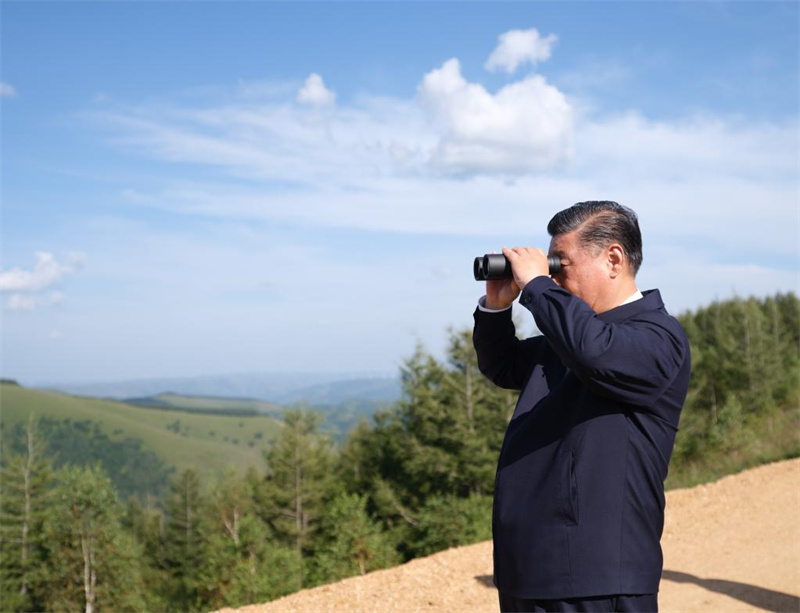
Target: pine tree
(441, 439)
(429, 453)
(449, 521)
(297, 483)
(782, 314)
(25, 493)
(354, 543)
(445, 434)
(266, 569)
(481, 414)
(745, 381)
(245, 561)
(184, 554)
(373, 463)
(144, 523)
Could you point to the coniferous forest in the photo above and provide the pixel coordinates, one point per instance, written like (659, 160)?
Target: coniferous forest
(415, 480)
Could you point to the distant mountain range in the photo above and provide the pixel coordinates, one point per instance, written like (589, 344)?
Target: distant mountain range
(314, 389)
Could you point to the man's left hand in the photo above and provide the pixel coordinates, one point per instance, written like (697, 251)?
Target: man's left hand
(527, 263)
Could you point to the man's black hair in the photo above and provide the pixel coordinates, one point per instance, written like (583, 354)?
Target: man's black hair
(602, 222)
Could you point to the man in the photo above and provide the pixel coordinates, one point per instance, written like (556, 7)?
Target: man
(579, 494)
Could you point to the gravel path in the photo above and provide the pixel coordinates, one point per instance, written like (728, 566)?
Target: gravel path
(732, 545)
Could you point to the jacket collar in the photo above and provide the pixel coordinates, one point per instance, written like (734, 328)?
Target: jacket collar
(650, 301)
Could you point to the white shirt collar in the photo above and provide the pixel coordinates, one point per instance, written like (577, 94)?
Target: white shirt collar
(633, 297)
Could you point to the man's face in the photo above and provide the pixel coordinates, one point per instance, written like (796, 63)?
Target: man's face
(582, 273)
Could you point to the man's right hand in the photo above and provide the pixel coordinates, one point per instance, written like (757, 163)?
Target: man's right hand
(500, 293)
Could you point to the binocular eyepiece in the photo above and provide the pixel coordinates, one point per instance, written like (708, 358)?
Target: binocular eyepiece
(494, 266)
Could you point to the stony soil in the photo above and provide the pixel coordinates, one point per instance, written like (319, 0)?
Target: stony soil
(732, 545)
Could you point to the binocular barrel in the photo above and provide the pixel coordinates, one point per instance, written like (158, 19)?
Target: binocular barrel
(497, 266)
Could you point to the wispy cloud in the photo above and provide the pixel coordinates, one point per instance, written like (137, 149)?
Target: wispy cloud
(374, 166)
(29, 302)
(459, 159)
(452, 127)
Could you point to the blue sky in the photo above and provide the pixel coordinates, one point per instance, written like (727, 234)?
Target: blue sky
(206, 187)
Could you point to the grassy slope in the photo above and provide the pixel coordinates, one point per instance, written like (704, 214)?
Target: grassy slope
(192, 447)
(339, 417)
(209, 403)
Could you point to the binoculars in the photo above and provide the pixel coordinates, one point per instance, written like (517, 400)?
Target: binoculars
(497, 266)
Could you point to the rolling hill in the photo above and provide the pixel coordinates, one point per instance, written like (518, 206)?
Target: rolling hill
(207, 404)
(209, 443)
(340, 413)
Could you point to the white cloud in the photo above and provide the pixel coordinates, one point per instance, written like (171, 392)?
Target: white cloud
(46, 273)
(25, 288)
(370, 165)
(7, 91)
(380, 164)
(525, 127)
(452, 127)
(315, 93)
(460, 160)
(517, 47)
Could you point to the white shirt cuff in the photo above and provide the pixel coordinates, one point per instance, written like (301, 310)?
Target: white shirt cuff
(482, 306)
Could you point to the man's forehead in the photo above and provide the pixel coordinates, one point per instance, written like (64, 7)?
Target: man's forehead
(562, 243)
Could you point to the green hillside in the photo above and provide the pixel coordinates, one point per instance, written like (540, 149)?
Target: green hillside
(339, 416)
(208, 404)
(206, 443)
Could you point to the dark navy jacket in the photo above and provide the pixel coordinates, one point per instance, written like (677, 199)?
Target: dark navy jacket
(579, 493)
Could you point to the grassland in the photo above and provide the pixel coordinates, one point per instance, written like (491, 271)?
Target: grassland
(207, 443)
(209, 404)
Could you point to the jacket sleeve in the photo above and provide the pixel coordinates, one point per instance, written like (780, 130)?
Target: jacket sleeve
(502, 357)
(634, 361)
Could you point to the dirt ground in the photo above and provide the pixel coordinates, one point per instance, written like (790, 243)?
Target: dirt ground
(732, 545)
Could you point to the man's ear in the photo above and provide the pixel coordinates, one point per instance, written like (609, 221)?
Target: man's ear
(615, 256)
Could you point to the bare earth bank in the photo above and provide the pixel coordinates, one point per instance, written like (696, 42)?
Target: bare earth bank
(732, 545)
